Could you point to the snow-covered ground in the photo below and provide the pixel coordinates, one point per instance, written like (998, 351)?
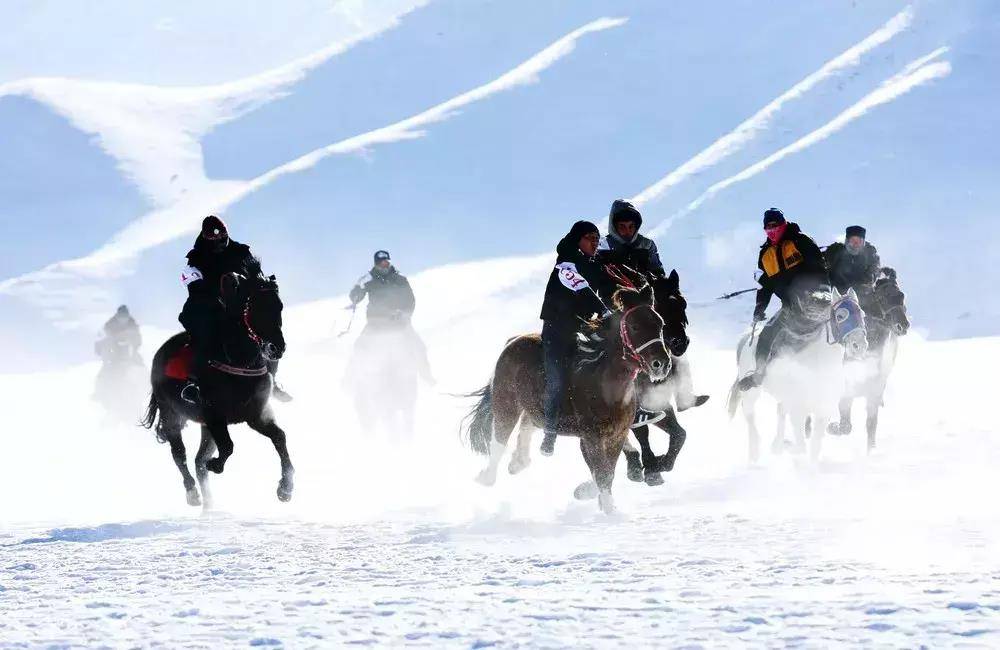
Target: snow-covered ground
(395, 543)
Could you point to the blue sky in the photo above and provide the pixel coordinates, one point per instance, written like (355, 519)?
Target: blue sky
(508, 174)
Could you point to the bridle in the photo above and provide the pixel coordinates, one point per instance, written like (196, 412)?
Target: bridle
(631, 352)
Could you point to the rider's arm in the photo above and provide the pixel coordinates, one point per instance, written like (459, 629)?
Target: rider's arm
(763, 298)
(360, 289)
(655, 264)
(409, 301)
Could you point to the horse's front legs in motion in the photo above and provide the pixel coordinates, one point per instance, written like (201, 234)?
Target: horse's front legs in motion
(873, 403)
(266, 426)
(843, 427)
(601, 457)
(224, 443)
(171, 432)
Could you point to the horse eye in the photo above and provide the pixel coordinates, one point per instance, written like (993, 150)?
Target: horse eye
(841, 314)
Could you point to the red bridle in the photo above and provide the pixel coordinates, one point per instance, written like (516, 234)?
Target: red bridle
(631, 352)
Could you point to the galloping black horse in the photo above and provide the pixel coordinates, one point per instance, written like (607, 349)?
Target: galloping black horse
(235, 389)
(672, 308)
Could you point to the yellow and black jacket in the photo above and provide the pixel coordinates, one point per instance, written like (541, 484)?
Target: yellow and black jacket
(794, 258)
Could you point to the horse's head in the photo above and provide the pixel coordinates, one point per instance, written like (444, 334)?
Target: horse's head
(847, 322)
(890, 299)
(672, 308)
(254, 306)
(640, 330)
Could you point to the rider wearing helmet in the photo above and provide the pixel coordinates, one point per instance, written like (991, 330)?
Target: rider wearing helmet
(624, 245)
(854, 264)
(213, 256)
(574, 292)
(789, 260)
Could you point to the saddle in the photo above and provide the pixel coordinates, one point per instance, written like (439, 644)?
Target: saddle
(179, 366)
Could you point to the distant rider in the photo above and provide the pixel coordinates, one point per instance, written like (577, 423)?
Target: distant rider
(390, 307)
(574, 292)
(214, 255)
(788, 260)
(624, 245)
(854, 264)
(121, 333)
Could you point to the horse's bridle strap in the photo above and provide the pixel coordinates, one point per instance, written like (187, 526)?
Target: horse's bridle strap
(239, 372)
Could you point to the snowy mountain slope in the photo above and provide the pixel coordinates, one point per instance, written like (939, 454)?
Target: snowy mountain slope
(393, 543)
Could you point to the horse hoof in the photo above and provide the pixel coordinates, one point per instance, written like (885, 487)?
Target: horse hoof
(214, 465)
(606, 503)
(284, 494)
(486, 478)
(634, 467)
(654, 479)
(518, 465)
(193, 499)
(585, 491)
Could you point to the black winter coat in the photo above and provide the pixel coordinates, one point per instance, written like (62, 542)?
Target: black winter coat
(390, 297)
(857, 271)
(206, 268)
(578, 287)
(794, 260)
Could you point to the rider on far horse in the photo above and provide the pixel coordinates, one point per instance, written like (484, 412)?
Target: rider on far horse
(789, 261)
(854, 264)
(213, 256)
(624, 245)
(577, 289)
(121, 339)
(390, 307)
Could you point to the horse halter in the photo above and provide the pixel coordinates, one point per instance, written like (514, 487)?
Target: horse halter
(632, 352)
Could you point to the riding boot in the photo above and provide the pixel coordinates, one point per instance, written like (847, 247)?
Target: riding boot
(558, 344)
(762, 354)
(279, 392)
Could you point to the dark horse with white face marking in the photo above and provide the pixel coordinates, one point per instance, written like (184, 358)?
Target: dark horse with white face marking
(234, 390)
(600, 399)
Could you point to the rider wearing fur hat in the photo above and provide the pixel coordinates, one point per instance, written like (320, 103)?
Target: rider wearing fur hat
(577, 289)
(789, 261)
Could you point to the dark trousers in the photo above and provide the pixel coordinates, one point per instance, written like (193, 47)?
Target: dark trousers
(558, 349)
(202, 319)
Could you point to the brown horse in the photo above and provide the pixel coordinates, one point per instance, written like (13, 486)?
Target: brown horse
(600, 400)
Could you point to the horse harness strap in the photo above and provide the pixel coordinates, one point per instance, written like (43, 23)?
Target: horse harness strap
(238, 372)
(631, 351)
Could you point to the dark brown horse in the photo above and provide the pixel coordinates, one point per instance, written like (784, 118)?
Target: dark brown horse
(236, 388)
(600, 399)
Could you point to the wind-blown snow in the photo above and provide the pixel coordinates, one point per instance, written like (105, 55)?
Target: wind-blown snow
(748, 130)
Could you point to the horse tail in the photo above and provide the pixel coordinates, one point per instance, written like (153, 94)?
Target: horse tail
(149, 419)
(478, 424)
(735, 396)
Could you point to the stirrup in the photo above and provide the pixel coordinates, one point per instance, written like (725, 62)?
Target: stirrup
(191, 393)
(644, 417)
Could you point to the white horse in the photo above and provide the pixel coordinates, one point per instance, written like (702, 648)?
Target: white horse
(805, 371)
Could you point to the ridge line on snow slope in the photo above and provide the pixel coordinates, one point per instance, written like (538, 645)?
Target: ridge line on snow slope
(916, 73)
(153, 132)
(759, 121)
(166, 224)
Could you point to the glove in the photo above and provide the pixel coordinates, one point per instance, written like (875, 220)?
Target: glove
(759, 316)
(606, 315)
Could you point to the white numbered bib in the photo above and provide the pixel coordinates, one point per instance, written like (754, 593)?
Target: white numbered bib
(570, 277)
(191, 274)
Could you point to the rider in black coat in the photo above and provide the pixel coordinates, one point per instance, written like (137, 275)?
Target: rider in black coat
(854, 264)
(574, 293)
(788, 260)
(121, 333)
(214, 255)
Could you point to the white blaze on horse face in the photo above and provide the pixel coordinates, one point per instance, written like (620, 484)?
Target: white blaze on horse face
(570, 277)
(190, 274)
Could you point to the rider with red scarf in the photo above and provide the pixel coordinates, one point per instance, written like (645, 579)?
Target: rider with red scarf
(788, 260)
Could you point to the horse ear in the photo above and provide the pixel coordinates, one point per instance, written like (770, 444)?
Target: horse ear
(852, 294)
(674, 279)
(836, 294)
(646, 294)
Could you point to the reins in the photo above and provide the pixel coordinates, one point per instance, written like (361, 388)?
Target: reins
(630, 351)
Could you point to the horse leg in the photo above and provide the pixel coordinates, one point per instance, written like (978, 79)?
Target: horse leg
(873, 403)
(601, 460)
(521, 458)
(505, 417)
(816, 439)
(650, 474)
(843, 427)
(223, 442)
(748, 405)
(778, 444)
(172, 434)
(678, 436)
(799, 432)
(205, 450)
(265, 425)
(633, 460)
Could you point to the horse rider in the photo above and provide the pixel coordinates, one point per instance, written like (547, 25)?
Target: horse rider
(854, 264)
(789, 260)
(577, 289)
(625, 246)
(121, 332)
(390, 307)
(213, 256)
